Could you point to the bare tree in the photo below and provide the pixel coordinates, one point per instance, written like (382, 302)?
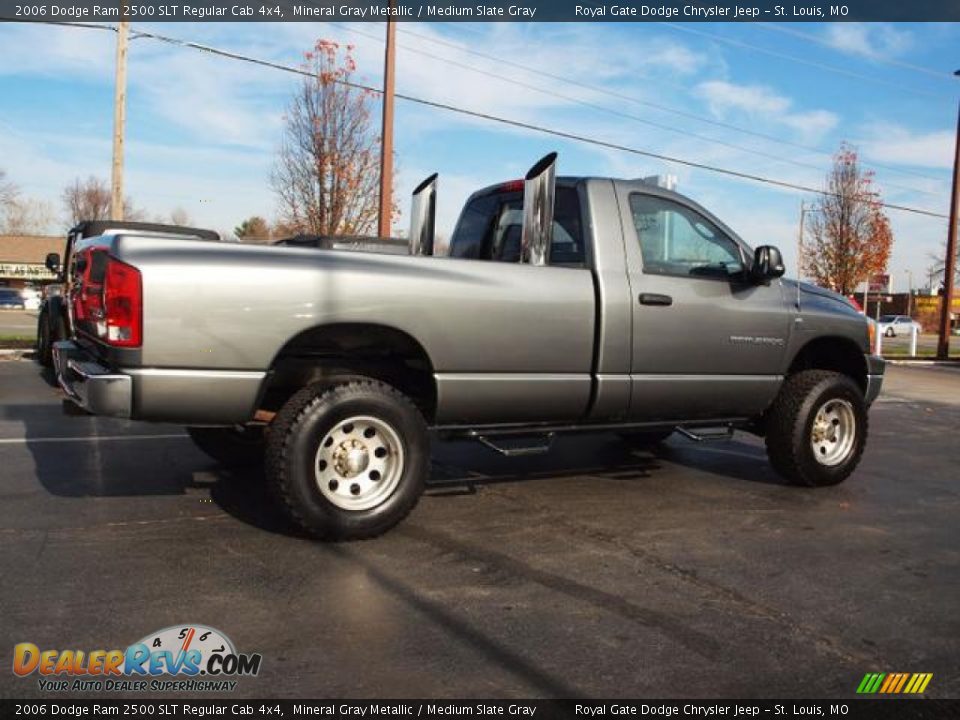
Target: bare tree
(90, 200)
(849, 235)
(26, 216)
(179, 216)
(327, 171)
(8, 191)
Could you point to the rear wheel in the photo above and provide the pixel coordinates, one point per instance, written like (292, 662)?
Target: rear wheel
(817, 428)
(44, 344)
(348, 461)
(231, 447)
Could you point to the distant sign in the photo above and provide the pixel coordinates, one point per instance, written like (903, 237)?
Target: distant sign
(879, 283)
(25, 271)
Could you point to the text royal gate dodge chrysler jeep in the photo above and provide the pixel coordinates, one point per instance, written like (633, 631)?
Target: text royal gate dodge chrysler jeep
(565, 304)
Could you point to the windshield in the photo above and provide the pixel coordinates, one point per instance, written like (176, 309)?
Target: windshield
(887, 318)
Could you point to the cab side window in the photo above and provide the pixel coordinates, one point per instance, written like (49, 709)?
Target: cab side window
(677, 240)
(491, 227)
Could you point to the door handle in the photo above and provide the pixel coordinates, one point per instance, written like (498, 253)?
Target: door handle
(655, 299)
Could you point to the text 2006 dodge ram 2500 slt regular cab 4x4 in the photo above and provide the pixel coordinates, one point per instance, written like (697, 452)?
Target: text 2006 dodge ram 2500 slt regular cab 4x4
(564, 305)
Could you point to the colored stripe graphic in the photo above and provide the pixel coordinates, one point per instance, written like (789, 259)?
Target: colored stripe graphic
(894, 683)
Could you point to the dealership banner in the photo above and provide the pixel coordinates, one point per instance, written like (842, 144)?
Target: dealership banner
(431, 709)
(25, 271)
(490, 11)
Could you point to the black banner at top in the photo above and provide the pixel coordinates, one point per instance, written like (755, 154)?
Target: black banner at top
(452, 709)
(483, 11)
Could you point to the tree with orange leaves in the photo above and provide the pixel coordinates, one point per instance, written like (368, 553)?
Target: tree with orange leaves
(849, 234)
(327, 170)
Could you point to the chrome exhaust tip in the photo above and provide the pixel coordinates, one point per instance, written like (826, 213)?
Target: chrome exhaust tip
(423, 217)
(538, 196)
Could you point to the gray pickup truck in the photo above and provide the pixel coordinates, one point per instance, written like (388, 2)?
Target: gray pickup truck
(563, 305)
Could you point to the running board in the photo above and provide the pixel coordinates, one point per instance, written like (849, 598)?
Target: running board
(723, 434)
(518, 451)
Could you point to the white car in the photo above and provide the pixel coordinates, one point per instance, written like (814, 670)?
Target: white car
(894, 325)
(31, 298)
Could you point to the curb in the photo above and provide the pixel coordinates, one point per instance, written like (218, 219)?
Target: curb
(14, 354)
(954, 364)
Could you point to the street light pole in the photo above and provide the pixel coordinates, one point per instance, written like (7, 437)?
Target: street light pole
(950, 262)
(119, 122)
(386, 143)
(909, 290)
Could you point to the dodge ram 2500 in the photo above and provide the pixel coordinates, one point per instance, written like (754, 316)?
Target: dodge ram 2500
(563, 305)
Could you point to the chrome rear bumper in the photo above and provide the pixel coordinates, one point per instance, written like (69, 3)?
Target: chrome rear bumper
(89, 384)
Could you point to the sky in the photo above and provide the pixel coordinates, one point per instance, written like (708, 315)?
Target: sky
(765, 99)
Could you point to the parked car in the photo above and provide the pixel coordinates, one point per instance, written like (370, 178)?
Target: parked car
(575, 305)
(53, 322)
(11, 299)
(31, 298)
(894, 325)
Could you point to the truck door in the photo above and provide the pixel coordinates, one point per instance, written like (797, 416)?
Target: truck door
(707, 342)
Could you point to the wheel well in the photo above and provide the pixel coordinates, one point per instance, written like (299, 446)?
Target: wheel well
(832, 353)
(335, 352)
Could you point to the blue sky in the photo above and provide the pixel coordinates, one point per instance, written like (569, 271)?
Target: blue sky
(203, 131)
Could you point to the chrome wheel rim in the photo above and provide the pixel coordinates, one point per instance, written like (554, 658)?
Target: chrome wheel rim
(359, 463)
(834, 432)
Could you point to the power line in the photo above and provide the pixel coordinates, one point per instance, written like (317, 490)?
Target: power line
(939, 74)
(657, 106)
(803, 61)
(504, 121)
(620, 113)
(601, 108)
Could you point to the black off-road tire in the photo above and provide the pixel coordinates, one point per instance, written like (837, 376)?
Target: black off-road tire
(231, 447)
(645, 438)
(49, 331)
(790, 422)
(315, 414)
(44, 344)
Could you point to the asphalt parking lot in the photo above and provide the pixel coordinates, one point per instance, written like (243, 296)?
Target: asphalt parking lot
(593, 571)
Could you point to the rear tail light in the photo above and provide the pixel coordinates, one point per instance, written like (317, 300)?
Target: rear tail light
(123, 304)
(109, 299)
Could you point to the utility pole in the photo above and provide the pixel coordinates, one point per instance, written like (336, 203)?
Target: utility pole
(386, 144)
(119, 121)
(909, 290)
(803, 216)
(950, 262)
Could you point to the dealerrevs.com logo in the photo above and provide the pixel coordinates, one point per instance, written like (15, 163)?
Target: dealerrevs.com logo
(180, 658)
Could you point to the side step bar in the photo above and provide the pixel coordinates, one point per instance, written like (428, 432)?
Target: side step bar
(725, 433)
(518, 450)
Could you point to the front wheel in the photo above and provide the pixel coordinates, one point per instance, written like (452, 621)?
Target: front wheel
(817, 428)
(890, 333)
(348, 461)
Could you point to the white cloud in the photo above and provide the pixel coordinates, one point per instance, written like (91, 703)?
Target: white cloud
(895, 144)
(869, 40)
(759, 102)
